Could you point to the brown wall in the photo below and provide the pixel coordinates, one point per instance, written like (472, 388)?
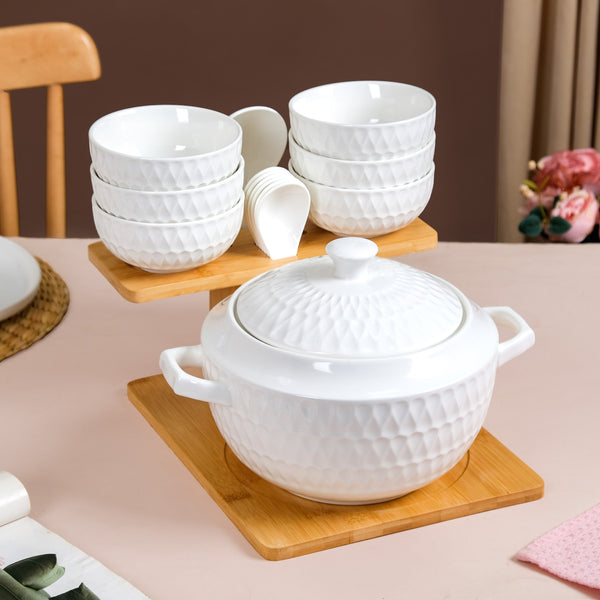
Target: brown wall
(227, 54)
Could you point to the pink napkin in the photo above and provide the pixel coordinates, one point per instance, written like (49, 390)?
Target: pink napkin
(571, 550)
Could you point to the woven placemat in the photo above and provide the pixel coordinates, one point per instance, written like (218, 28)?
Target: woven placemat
(39, 318)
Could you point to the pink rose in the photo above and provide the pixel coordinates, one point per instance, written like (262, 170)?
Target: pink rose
(567, 169)
(544, 198)
(580, 209)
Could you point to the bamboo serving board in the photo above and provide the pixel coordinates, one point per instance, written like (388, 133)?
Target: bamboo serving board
(240, 263)
(280, 525)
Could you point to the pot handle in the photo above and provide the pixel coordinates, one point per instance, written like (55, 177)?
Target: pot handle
(524, 336)
(171, 362)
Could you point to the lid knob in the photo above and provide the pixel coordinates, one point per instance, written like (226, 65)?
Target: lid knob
(351, 256)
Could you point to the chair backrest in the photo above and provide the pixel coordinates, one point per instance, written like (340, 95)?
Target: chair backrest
(41, 55)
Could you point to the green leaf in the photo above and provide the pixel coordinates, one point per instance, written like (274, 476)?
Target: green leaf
(531, 185)
(555, 202)
(531, 226)
(36, 572)
(538, 212)
(80, 593)
(558, 226)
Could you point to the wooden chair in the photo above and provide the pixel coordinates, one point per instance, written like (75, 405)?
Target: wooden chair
(41, 55)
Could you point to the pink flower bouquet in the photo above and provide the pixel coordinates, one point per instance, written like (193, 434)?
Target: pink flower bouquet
(561, 197)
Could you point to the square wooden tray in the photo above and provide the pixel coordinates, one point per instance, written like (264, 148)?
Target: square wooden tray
(241, 262)
(280, 525)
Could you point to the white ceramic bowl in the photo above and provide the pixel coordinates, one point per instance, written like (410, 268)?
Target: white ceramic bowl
(165, 147)
(169, 247)
(362, 174)
(368, 379)
(362, 120)
(367, 213)
(169, 207)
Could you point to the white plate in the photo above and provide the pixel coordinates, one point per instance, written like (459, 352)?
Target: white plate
(20, 276)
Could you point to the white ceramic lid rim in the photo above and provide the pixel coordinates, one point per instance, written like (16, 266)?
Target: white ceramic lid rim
(349, 304)
(238, 355)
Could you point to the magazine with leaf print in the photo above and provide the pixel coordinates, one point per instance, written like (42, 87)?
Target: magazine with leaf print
(36, 563)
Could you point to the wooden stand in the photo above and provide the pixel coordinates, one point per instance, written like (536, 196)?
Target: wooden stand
(280, 525)
(240, 263)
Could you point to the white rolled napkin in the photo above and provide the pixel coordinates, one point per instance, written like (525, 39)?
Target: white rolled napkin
(14, 500)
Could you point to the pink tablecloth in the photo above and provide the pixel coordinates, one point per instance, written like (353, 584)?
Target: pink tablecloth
(101, 477)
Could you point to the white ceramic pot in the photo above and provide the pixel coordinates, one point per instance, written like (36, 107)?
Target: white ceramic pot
(348, 378)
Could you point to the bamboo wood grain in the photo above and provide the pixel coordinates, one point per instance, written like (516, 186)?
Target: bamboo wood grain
(215, 296)
(241, 262)
(280, 525)
(9, 209)
(56, 201)
(41, 55)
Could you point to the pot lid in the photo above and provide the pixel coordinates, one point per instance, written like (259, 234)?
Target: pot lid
(349, 304)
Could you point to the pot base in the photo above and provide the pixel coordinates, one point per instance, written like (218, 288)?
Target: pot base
(348, 502)
(442, 483)
(280, 525)
(259, 485)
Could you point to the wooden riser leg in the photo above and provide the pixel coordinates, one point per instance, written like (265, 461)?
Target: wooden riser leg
(215, 296)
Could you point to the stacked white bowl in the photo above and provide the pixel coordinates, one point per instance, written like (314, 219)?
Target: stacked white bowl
(168, 185)
(364, 149)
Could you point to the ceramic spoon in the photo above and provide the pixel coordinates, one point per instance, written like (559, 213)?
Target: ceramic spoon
(264, 138)
(277, 206)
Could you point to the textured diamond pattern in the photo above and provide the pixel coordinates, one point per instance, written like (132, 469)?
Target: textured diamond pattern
(165, 174)
(362, 174)
(395, 309)
(169, 207)
(352, 451)
(368, 213)
(171, 247)
(363, 143)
